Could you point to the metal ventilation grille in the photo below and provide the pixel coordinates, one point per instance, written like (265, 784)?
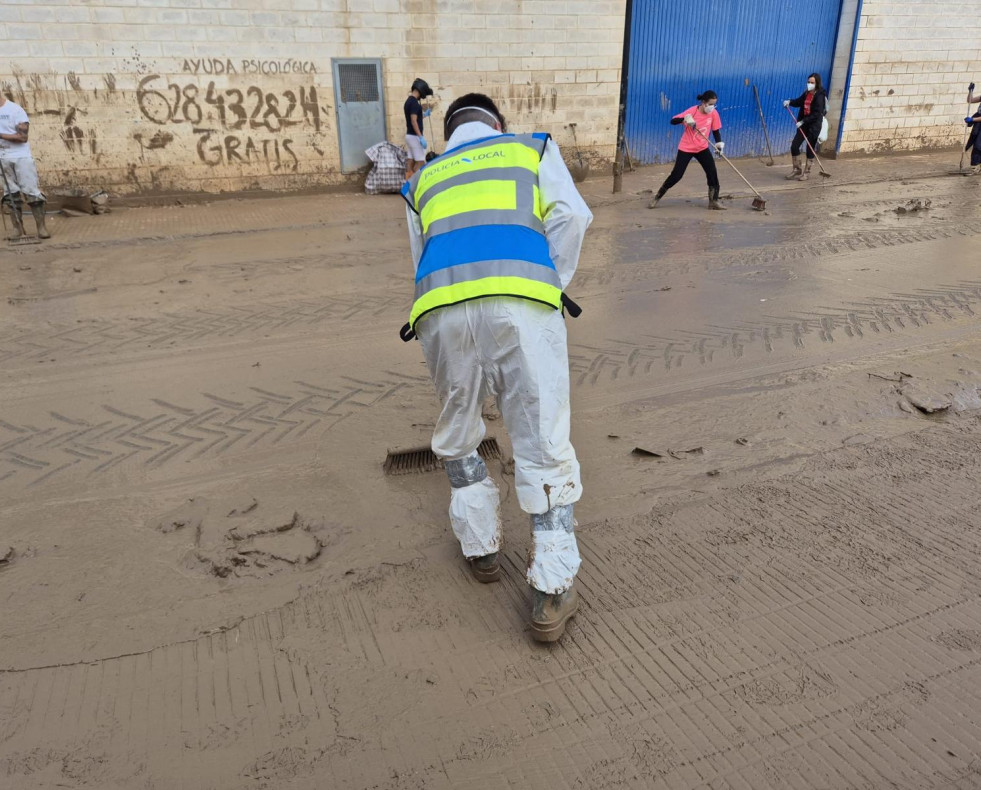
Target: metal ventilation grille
(422, 459)
(359, 82)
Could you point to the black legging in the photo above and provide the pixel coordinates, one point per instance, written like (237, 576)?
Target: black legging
(812, 137)
(681, 164)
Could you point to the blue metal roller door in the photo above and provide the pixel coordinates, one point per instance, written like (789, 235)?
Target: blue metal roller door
(679, 48)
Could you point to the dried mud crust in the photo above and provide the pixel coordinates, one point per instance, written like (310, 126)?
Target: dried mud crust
(237, 538)
(738, 638)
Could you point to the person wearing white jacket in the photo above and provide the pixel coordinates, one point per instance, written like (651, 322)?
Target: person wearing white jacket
(496, 226)
(19, 170)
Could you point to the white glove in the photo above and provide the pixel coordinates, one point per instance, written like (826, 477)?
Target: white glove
(689, 120)
(786, 102)
(800, 124)
(719, 146)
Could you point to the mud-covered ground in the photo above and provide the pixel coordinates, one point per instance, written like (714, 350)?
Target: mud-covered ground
(207, 581)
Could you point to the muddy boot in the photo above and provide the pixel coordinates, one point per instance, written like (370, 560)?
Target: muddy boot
(654, 200)
(486, 569)
(37, 209)
(796, 172)
(714, 202)
(807, 172)
(16, 218)
(549, 613)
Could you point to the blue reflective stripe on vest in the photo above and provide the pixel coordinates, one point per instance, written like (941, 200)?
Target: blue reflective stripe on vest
(484, 243)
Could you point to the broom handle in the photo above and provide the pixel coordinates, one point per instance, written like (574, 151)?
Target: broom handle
(766, 134)
(809, 146)
(967, 132)
(729, 163)
(6, 191)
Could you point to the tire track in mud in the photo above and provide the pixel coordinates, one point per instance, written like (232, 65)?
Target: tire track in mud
(640, 258)
(740, 639)
(614, 358)
(162, 433)
(25, 344)
(31, 344)
(263, 221)
(51, 444)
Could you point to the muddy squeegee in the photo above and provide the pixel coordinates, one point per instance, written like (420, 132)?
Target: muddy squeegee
(423, 459)
(759, 204)
(20, 241)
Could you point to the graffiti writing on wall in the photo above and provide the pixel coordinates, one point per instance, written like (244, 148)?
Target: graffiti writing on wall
(73, 136)
(217, 149)
(266, 67)
(38, 98)
(235, 109)
(237, 113)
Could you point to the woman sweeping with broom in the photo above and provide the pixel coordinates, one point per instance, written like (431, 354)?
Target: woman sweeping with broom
(698, 121)
(812, 106)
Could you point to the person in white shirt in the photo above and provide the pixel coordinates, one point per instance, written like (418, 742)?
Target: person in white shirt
(495, 229)
(19, 171)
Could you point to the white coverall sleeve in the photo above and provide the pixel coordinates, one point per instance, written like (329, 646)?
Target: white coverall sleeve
(566, 214)
(414, 225)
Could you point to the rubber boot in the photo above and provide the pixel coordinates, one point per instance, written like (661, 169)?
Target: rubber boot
(486, 569)
(37, 209)
(807, 171)
(655, 199)
(714, 203)
(16, 218)
(549, 613)
(796, 171)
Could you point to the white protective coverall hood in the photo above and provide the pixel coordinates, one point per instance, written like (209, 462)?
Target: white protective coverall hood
(515, 350)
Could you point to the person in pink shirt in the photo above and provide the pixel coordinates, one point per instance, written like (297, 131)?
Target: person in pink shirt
(699, 121)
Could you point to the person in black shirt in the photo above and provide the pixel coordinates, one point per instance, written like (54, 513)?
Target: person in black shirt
(974, 139)
(812, 106)
(415, 139)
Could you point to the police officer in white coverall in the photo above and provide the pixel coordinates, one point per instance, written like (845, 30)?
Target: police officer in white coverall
(495, 228)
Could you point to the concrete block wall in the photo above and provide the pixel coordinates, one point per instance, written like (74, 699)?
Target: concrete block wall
(143, 96)
(913, 62)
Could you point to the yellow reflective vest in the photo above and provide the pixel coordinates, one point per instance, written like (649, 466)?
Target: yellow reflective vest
(482, 223)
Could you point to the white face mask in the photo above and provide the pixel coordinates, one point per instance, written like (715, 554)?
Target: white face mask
(811, 86)
(707, 108)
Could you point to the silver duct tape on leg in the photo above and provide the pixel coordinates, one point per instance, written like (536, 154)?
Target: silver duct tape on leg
(466, 471)
(558, 518)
